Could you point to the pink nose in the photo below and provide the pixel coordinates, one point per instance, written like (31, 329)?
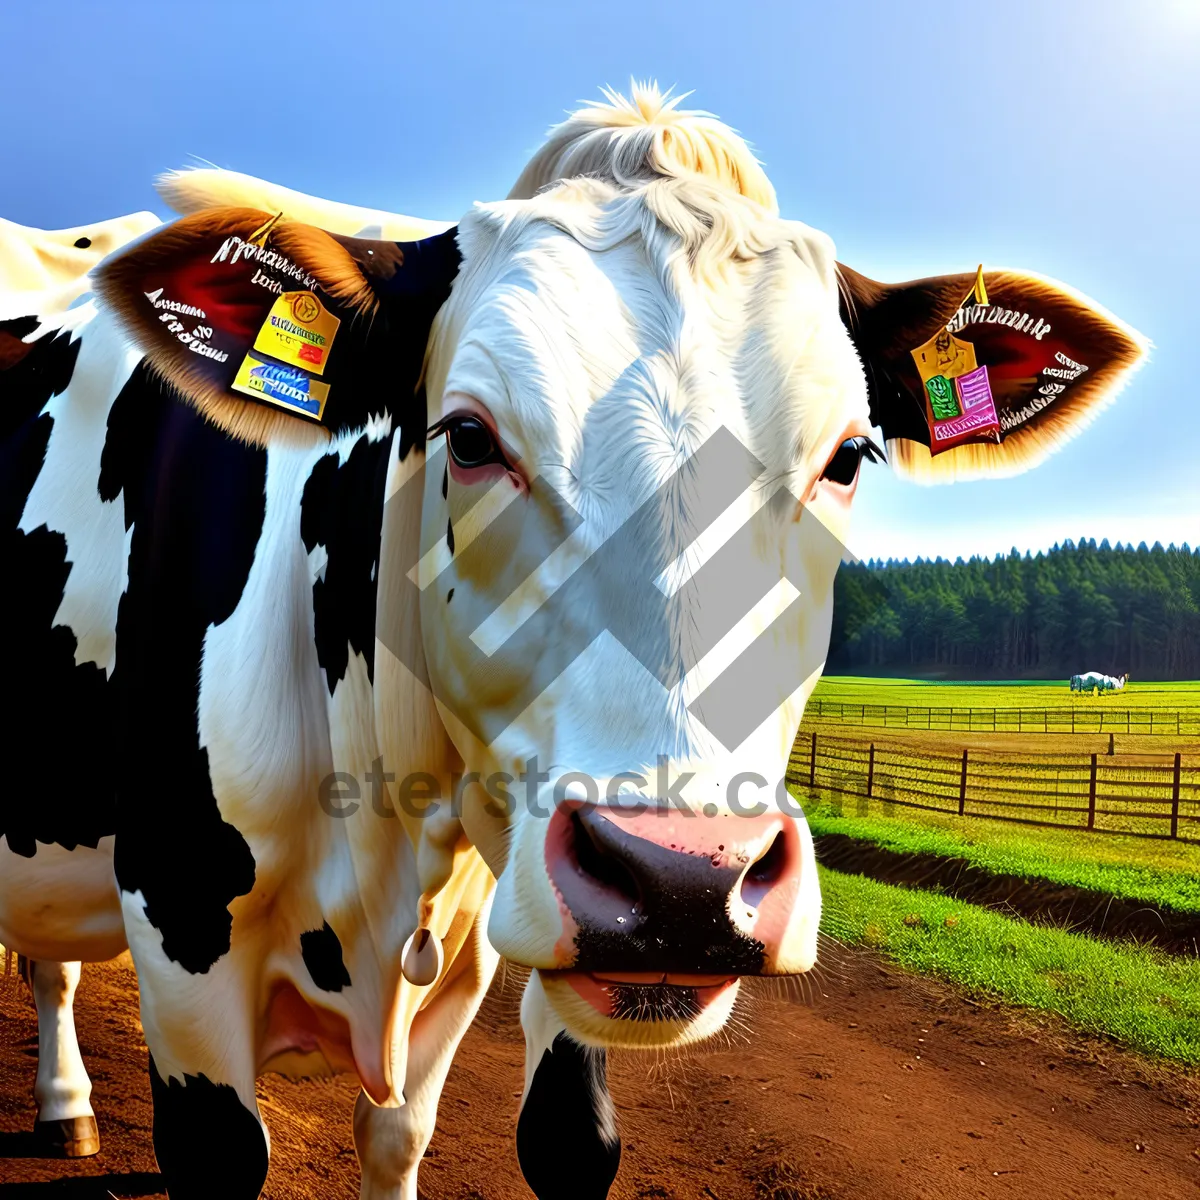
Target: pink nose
(674, 892)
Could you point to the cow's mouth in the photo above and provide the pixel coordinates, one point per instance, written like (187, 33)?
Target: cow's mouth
(648, 995)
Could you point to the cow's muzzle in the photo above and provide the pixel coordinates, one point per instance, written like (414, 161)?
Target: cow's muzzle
(674, 893)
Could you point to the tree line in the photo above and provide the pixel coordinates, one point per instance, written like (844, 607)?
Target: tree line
(1079, 607)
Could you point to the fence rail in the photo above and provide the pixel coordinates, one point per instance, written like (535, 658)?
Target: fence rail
(1088, 715)
(1147, 795)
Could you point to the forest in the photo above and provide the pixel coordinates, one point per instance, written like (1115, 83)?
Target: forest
(1078, 607)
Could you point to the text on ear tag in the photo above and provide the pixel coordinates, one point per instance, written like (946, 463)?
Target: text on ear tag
(299, 330)
(285, 386)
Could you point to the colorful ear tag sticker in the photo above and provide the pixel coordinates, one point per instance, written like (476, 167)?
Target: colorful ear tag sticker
(958, 397)
(298, 330)
(284, 386)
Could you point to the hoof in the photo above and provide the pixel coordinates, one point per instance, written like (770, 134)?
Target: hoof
(77, 1137)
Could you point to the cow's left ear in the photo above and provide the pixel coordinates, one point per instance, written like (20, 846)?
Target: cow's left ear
(277, 330)
(984, 373)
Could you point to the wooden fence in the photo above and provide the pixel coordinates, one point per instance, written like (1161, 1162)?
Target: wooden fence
(1087, 715)
(1148, 795)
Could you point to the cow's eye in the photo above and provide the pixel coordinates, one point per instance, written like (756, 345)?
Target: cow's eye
(471, 443)
(843, 466)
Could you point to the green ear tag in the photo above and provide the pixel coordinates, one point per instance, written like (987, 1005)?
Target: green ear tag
(942, 399)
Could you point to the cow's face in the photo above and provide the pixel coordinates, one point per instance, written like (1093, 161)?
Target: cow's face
(643, 462)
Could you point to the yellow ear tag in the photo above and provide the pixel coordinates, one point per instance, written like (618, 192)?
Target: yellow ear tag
(299, 330)
(939, 361)
(285, 387)
(978, 293)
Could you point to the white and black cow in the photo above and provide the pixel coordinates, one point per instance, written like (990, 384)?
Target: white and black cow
(1097, 682)
(303, 533)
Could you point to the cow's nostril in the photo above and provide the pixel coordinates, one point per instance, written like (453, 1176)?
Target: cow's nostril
(765, 873)
(593, 860)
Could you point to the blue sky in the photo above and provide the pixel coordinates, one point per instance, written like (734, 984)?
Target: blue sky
(1068, 136)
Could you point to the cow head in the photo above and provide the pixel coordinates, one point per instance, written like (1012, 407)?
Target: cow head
(633, 432)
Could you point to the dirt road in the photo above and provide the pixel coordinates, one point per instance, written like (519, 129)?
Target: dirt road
(876, 1086)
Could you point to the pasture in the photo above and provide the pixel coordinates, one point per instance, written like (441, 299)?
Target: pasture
(1044, 869)
(1007, 706)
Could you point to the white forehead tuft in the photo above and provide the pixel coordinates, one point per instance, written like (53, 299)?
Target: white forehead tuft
(677, 307)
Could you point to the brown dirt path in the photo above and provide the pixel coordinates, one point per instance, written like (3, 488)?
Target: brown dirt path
(877, 1086)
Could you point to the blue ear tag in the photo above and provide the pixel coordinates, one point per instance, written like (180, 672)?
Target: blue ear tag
(286, 387)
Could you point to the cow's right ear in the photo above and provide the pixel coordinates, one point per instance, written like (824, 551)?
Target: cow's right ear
(278, 331)
(983, 374)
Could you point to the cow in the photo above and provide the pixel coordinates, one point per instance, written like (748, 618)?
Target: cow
(400, 646)
(1097, 681)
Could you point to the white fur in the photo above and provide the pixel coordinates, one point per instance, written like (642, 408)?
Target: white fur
(62, 1088)
(97, 541)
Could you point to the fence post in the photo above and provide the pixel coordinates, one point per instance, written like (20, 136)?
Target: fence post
(1175, 799)
(871, 773)
(962, 788)
(1092, 797)
(812, 763)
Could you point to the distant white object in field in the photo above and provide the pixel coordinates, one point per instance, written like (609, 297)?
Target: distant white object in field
(1099, 682)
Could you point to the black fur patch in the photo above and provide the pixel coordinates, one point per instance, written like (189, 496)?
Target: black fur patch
(322, 954)
(196, 501)
(58, 715)
(208, 1144)
(567, 1143)
(30, 374)
(342, 510)
(379, 360)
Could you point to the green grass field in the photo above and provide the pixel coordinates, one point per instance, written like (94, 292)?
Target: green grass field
(1165, 873)
(850, 689)
(1140, 997)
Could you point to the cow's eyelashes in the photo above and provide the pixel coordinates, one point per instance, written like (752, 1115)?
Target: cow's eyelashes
(847, 458)
(470, 442)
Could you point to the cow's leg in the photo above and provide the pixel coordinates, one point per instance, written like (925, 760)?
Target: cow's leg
(392, 1141)
(66, 1124)
(567, 1139)
(209, 1139)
